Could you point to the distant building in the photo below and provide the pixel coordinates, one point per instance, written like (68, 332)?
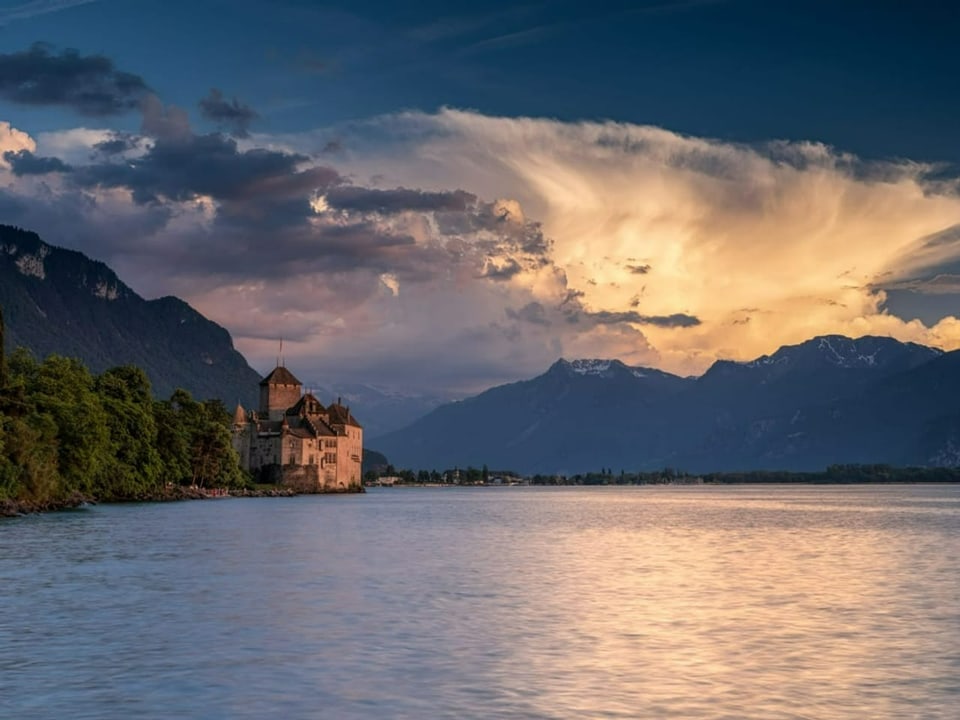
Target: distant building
(294, 440)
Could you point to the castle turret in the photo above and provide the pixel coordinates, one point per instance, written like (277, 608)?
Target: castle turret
(278, 391)
(239, 415)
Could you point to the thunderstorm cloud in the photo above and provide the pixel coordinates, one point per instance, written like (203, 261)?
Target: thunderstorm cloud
(494, 244)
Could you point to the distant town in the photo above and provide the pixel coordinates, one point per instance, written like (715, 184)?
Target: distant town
(389, 476)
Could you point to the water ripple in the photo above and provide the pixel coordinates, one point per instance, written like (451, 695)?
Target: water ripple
(773, 602)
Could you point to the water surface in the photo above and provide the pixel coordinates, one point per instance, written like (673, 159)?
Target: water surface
(684, 602)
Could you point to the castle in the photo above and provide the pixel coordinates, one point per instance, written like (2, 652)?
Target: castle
(296, 441)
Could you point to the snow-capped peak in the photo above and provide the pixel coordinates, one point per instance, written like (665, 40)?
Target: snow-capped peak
(591, 366)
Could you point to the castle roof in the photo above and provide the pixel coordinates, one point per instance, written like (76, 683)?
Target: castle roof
(239, 415)
(308, 403)
(340, 415)
(280, 376)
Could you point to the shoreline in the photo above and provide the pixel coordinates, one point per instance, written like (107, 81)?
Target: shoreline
(10, 508)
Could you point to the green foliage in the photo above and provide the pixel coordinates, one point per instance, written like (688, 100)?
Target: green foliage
(195, 443)
(63, 390)
(133, 467)
(65, 432)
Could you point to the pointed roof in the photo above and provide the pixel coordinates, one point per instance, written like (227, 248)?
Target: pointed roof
(239, 415)
(280, 376)
(340, 415)
(308, 403)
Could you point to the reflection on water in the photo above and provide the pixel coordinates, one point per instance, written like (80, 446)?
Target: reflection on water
(693, 602)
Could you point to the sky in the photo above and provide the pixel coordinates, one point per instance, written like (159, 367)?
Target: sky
(430, 198)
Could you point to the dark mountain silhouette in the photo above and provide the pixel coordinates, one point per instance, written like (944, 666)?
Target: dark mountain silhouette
(60, 301)
(829, 400)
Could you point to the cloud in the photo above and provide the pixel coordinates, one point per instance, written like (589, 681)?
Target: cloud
(360, 199)
(13, 140)
(504, 271)
(676, 320)
(455, 250)
(164, 122)
(37, 7)
(24, 162)
(118, 143)
(231, 114)
(188, 167)
(88, 84)
(532, 312)
(726, 226)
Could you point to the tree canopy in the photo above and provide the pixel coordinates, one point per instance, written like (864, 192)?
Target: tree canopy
(65, 433)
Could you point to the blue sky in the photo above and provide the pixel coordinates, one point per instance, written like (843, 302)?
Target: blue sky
(875, 78)
(729, 147)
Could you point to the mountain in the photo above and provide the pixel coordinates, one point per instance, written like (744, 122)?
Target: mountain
(576, 410)
(60, 301)
(829, 400)
(383, 409)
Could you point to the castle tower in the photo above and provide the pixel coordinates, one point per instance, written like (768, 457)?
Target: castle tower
(278, 391)
(239, 415)
(241, 438)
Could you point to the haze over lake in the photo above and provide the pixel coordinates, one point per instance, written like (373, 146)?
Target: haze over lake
(686, 602)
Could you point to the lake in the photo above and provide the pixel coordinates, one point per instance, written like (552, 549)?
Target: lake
(649, 602)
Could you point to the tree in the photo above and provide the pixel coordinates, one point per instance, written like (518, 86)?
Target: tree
(135, 467)
(194, 442)
(63, 389)
(215, 462)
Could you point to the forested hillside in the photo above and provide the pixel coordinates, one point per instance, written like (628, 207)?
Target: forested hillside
(66, 435)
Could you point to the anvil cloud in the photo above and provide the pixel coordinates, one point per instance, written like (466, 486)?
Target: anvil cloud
(453, 250)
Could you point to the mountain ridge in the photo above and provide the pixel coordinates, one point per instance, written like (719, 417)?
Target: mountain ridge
(61, 301)
(830, 399)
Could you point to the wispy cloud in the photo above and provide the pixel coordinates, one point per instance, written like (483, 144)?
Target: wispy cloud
(37, 7)
(233, 115)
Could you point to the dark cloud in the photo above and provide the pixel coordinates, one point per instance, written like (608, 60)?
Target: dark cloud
(677, 320)
(233, 115)
(74, 218)
(502, 272)
(88, 84)
(572, 298)
(574, 311)
(639, 269)
(302, 251)
(361, 199)
(211, 165)
(24, 162)
(117, 144)
(532, 312)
